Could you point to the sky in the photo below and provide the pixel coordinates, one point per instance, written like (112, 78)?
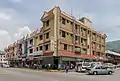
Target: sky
(19, 17)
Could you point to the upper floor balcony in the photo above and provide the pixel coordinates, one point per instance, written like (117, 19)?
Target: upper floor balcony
(83, 45)
(77, 43)
(36, 53)
(40, 42)
(77, 50)
(83, 35)
(64, 40)
(66, 29)
(76, 32)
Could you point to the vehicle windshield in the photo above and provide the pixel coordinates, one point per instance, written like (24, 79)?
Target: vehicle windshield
(86, 64)
(92, 65)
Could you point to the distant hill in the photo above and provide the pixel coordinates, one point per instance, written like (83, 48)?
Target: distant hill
(113, 46)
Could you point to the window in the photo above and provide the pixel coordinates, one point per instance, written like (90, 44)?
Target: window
(99, 46)
(47, 35)
(13, 55)
(1, 59)
(21, 45)
(41, 37)
(63, 34)
(31, 50)
(71, 35)
(82, 30)
(67, 21)
(47, 23)
(98, 68)
(65, 46)
(60, 32)
(76, 27)
(63, 21)
(40, 47)
(31, 41)
(71, 23)
(67, 33)
(36, 37)
(76, 38)
(98, 53)
(81, 40)
(88, 46)
(103, 67)
(46, 47)
(86, 64)
(37, 49)
(88, 32)
(93, 53)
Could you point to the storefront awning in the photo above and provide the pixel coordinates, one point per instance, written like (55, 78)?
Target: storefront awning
(72, 54)
(68, 59)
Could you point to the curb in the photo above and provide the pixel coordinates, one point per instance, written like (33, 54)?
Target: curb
(51, 70)
(45, 70)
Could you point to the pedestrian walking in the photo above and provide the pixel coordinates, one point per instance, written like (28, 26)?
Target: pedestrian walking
(67, 68)
(59, 66)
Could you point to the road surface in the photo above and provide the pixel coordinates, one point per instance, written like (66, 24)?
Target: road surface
(16, 74)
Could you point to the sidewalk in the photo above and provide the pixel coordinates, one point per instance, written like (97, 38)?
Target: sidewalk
(44, 70)
(58, 70)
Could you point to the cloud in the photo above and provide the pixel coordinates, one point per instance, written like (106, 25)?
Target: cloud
(14, 17)
(4, 16)
(5, 39)
(15, 1)
(23, 31)
(10, 19)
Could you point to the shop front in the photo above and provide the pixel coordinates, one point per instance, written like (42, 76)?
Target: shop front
(68, 60)
(71, 57)
(34, 59)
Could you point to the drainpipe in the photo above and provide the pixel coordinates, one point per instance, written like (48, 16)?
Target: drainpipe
(73, 34)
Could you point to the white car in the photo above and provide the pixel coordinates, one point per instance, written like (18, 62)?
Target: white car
(82, 67)
(110, 65)
(100, 70)
(6, 66)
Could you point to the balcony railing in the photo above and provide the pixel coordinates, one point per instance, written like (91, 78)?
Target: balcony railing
(76, 42)
(36, 53)
(84, 45)
(84, 35)
(77, 50)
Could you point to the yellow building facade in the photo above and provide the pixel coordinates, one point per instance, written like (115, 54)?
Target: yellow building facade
(63, 38)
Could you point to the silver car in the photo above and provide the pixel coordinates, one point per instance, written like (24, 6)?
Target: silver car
(100, 70)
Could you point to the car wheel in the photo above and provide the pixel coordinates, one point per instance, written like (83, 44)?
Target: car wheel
(95, 73)
(109, 72)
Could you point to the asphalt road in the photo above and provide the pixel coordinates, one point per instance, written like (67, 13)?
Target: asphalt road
(16, 74)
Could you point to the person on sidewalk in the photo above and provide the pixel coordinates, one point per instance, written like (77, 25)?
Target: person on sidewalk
(59, 66)
(67, 68)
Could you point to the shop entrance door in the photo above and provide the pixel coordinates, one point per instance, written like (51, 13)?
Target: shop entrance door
(56, 62)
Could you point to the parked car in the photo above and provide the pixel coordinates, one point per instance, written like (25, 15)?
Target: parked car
(110, 65)
(82, 67)
(117, 66)
(100, 70)
(5, 66)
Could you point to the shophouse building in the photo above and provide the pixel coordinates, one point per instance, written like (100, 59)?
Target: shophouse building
(64, 39)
